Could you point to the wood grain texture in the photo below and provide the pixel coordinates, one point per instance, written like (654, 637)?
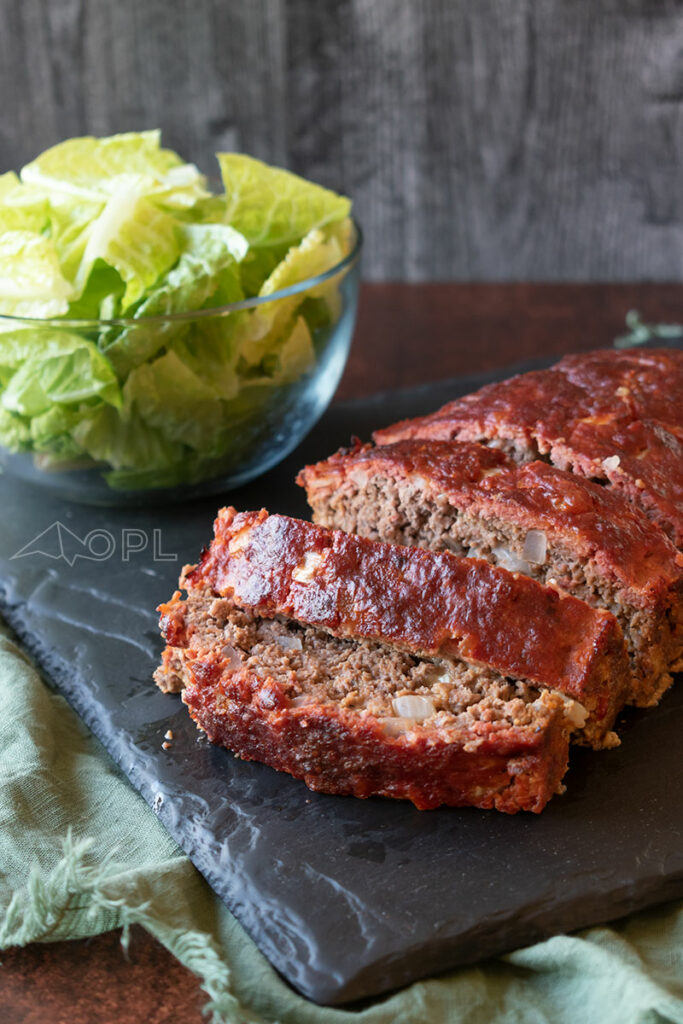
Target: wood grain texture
(410, 335)
(540, 139)
(92, 981)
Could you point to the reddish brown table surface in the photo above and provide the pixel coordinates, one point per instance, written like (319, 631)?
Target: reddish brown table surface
(406, 335)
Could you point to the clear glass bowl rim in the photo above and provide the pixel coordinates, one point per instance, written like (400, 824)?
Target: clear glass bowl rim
(216, 311)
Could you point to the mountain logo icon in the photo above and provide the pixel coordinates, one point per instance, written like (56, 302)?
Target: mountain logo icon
(60, 543)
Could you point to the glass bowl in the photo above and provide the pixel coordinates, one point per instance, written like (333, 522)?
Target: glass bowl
(182, 446)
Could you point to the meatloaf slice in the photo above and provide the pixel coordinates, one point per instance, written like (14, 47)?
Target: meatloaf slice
(360, 717)
(616, 417)
(424, 603)
(558, 528)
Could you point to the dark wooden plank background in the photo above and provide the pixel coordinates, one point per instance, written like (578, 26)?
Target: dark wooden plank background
(480, 139)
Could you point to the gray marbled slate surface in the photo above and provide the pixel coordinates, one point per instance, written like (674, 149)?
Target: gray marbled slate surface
(347, 898)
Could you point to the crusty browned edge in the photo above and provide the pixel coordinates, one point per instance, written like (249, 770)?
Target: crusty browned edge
(483, 763)
(427, 603)
(335, 751)
(599, 525)
(580, 414)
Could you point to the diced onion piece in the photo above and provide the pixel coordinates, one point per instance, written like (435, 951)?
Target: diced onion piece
(233, 656)
(297, 702)
(473, 553)
(359, 476)
(289, 643)
(577, 714)
(413, 706)
(440, 673)
(535, 547)
(451, 545)
(397, 726)
(574, 712)
(508, 560)
(611, 463)
(305, 572)
(321, 480)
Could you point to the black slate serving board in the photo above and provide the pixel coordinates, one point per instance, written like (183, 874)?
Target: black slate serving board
(347, 898)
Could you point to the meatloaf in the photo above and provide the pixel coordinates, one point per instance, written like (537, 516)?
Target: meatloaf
(613, 416)
(457, 620)
(558, 528)
(360, 717)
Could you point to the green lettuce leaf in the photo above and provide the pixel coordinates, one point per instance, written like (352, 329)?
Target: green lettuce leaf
(168, 396)
(210, 352)
(21, 208)
(269, 324)
(94, 169)
(9, 182)
(207, 274)
(71, 223)
(207, 268)
(23, 344)
(258, 265)
(296, 356)
(270, 206)
(101, 298)
(63, 368)
(15, 431)
(205, 211)
(122, 440)
(139, 240)
(31, 282)
(52, 433)
(122, 231)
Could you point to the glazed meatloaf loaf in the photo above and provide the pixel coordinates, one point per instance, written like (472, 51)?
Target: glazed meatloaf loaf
(361, 717)
(612, 416)
(368, 668)
(548, 524)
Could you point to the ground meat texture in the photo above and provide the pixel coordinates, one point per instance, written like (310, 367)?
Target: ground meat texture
(428, 604)
(332, 711)
(612, 416)
(550, 525)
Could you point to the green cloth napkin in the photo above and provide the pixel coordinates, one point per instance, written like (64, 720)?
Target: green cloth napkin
(81, 853)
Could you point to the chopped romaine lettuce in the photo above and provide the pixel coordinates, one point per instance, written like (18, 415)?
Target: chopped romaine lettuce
(96, 169)
(31, 282)
(70, 225)
(75, 374)
(206, 273)
(275, 207)
(15, 431)
(123, 441)
(134, 237)
(21, 208)
(168, 395)
(52, 433)
(124, 236)
(269, 323)
(297, 355)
